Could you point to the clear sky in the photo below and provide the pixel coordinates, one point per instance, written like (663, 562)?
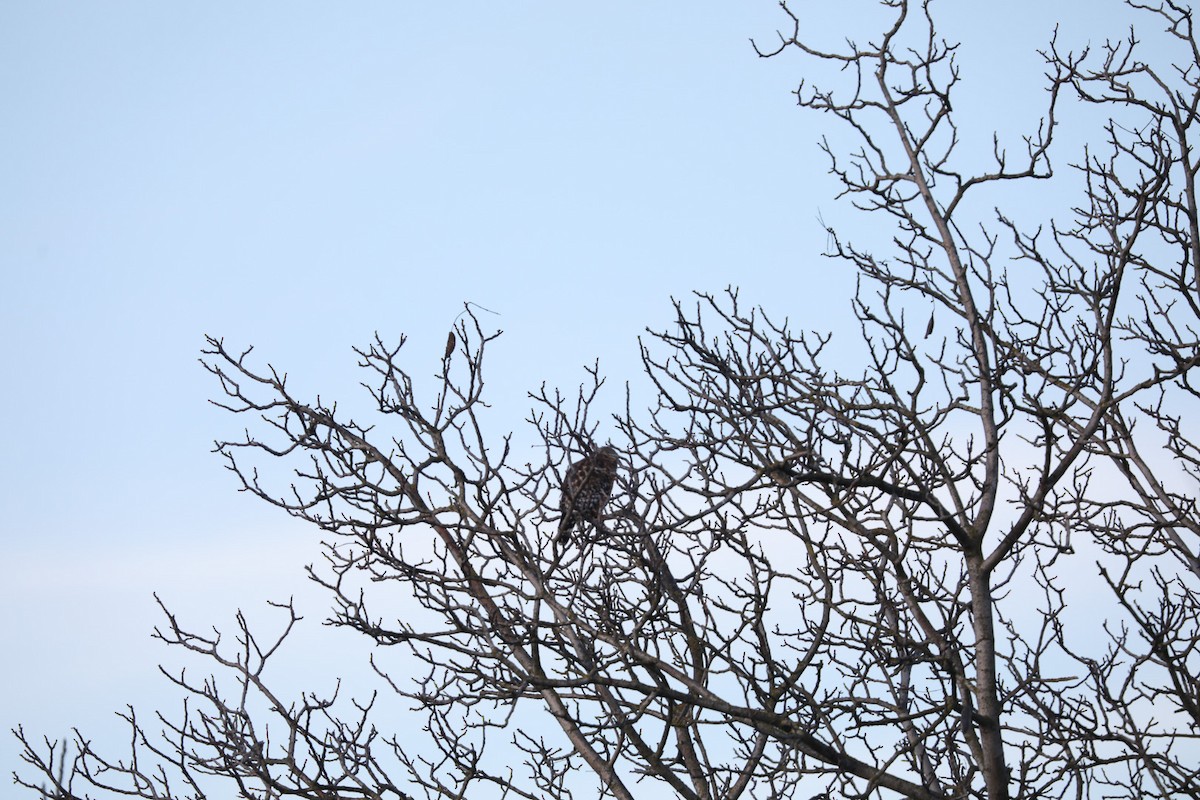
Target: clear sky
(299, 175)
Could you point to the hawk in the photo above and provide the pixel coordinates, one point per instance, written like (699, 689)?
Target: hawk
(586, 488)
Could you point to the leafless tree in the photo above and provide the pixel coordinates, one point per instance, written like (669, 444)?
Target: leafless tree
(812, 579)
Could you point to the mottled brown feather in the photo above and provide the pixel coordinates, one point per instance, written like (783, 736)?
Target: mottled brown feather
(586, 488)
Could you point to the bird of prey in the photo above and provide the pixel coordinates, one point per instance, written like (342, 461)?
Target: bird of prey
(586, 488)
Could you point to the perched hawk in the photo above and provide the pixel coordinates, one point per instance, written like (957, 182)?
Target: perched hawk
(586, 488)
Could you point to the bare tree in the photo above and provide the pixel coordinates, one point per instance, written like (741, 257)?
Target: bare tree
(811, 579)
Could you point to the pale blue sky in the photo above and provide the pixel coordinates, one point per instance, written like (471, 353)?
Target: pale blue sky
(299, 175)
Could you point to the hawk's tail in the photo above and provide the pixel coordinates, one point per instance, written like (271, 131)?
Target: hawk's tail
(564, 529)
